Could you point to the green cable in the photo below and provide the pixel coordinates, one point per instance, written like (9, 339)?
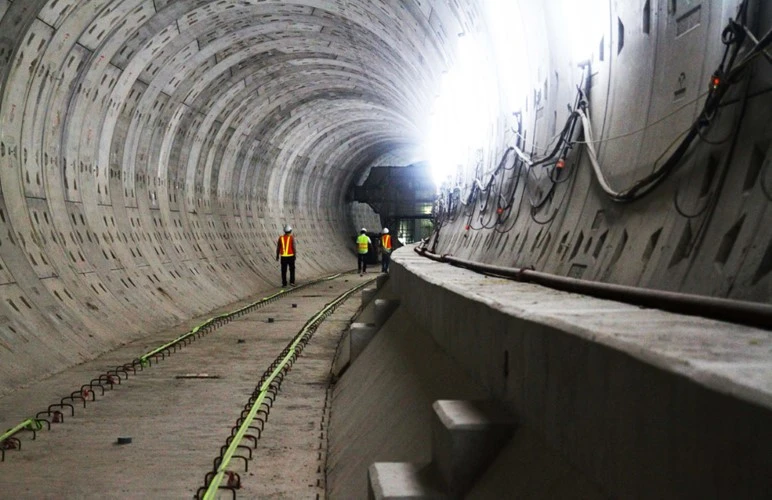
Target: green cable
(30, 423)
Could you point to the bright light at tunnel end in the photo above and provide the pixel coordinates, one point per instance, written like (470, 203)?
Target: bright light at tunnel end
(462, 111)
(488, 77)
(491, 76)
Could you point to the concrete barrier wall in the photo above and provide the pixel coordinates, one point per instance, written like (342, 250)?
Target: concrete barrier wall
(645, 403)
(381, 409)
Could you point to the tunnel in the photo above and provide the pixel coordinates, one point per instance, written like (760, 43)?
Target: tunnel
(152, 152)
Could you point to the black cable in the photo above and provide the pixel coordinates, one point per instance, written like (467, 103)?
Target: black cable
(715, 142)
(543, 223)
(512, 202)
(732, 36)
(683, 213)
(713, 201)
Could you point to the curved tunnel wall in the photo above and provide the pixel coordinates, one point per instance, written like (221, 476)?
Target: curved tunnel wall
(704, 230)
(151, 151)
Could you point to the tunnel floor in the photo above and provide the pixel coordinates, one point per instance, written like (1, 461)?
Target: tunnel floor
(178, 425)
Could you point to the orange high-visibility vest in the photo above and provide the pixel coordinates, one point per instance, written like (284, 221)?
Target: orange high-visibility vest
(386, 242)
(286, 245)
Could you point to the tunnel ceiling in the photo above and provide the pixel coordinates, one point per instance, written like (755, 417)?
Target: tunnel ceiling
(210, 97)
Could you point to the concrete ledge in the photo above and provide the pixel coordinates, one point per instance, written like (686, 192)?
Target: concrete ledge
(645, 403)
(466, 437)
(402, 480)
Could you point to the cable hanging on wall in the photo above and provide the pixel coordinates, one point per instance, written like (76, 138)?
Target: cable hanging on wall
(499, 190)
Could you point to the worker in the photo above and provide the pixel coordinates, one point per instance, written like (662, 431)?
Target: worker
(285, 249)
(363, 246)
(385, 250)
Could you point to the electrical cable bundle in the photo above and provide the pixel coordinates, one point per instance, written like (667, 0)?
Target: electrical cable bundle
(728, 73)
(482, 194)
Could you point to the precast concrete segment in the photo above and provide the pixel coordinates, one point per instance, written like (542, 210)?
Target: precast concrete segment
(703, 230)
(153, 149)
(640, 401)
(174, 412)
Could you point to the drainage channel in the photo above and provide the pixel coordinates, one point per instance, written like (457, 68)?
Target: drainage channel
(55, 412)
(249, 426)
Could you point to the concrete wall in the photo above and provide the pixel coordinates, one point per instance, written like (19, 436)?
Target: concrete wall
(645, 90)
(382, 412)
(151, 152)
(644, 403)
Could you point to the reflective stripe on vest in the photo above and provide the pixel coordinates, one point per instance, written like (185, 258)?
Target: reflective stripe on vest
(362, 241)
(386, 241)
(286, 246)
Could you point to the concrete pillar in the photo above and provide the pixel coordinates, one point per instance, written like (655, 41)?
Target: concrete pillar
(466, 437)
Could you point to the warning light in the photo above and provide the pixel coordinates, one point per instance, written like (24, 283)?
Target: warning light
(715, 81)
(467, 227)
(560, 163)
(499, 210)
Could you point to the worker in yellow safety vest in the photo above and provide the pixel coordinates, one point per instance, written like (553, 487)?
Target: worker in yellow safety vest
(385, 250)
(363, 246)
(285, 249)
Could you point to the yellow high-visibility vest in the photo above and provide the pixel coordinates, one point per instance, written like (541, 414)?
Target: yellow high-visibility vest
(362, 243)
(286, 245)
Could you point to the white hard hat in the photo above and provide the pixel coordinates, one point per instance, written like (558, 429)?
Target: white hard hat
(287, 228)
(385, 230)
(363, 230)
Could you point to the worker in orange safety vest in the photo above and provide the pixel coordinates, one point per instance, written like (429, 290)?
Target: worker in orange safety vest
(385, 250)
(285, 249)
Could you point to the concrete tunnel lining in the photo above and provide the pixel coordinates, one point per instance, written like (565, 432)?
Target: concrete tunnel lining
(151, 151)
(189, 132)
